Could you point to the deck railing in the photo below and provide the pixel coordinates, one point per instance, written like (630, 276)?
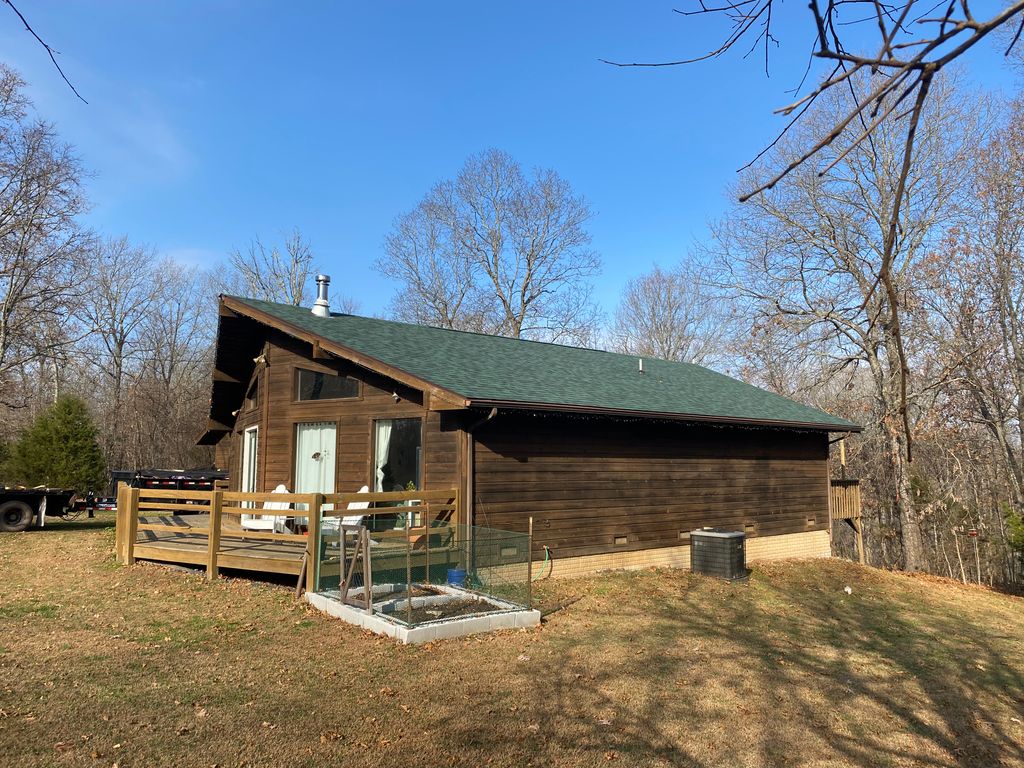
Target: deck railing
(421, 508)
(844, 504)
(845, 499)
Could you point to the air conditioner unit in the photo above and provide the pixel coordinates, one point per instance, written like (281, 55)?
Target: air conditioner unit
(718, 552)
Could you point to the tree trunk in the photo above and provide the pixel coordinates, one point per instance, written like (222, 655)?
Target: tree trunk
(911, 538)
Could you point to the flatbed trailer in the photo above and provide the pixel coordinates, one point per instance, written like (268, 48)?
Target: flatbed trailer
(22, 507)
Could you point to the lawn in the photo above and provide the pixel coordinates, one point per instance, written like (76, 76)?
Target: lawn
(105, 665)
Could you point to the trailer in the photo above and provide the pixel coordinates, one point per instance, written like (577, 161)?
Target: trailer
(23, 507)
(20, 507)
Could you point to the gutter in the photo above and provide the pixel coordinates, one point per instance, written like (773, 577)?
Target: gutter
(669, 416)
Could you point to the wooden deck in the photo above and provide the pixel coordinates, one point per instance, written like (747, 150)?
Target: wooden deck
(236, 549)
(204, 529)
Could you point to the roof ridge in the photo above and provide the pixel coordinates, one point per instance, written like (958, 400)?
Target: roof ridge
(485, 335)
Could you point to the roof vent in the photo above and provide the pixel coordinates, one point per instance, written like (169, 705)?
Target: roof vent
(322, 307)
(641, 361)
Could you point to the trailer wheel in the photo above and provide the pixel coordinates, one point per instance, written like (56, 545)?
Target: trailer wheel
(15, 516)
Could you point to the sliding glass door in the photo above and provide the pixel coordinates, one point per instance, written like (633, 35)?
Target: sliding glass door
(397, 460)
(250, 443)
(397, 454)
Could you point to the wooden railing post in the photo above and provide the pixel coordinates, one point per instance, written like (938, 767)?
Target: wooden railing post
(133, 526)
(213, 538)
(316, 502)
(121, 526)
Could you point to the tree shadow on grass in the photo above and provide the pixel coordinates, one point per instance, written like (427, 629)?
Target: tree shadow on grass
(680, 670)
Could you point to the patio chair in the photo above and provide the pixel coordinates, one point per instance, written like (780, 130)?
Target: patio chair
(263, 522)
(332, 524)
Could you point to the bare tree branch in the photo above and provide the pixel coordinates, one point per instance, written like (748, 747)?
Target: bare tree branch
(52, 53)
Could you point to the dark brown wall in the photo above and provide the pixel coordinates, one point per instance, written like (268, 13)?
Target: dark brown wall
(587, 482)
(277, 413)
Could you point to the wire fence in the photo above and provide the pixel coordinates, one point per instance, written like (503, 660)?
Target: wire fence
(421, 575)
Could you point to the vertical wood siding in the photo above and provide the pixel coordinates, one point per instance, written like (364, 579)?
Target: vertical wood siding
(278, 413)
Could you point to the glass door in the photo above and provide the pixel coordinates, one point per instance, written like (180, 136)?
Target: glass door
(250, 443)
(314, 458)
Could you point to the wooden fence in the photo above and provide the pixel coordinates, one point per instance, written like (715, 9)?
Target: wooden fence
(844, 504)
(169, 509)
(845, 499)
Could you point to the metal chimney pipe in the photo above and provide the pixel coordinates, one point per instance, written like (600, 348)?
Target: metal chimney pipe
(322, 307)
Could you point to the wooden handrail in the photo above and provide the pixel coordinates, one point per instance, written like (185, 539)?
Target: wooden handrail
(433, 504)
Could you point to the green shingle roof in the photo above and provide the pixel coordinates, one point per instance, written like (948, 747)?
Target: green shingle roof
(497, 369)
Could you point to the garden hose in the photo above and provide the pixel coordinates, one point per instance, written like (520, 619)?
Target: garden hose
(547, 562)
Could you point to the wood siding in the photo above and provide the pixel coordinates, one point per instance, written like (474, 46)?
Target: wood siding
(588, 483)
(277, 412)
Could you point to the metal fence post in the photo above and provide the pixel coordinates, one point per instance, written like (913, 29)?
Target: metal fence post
(408, 574)
(529, 565)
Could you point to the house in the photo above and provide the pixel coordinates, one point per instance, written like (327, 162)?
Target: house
(616, 459)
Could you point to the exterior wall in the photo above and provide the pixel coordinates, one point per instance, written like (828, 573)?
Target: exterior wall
(808, 544)
(276, 413)
(629, 493)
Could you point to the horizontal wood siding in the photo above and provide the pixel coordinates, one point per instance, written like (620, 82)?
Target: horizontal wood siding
(588, 482)
(277, 413)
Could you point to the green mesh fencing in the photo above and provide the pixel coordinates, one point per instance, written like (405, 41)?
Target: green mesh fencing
(427, 574)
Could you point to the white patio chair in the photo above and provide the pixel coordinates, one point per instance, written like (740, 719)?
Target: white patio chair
(333, 526)
(263, 522)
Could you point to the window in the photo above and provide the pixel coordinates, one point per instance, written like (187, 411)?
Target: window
(313, 385)
(252, 397)
(397, 454)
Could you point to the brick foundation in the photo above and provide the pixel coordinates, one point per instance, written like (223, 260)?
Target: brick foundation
(809, 544)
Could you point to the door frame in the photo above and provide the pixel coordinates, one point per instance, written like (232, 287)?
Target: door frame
(294, 448)
(247, 458)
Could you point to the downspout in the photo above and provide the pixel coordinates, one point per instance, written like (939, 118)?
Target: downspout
(468, 503)
(471, 464)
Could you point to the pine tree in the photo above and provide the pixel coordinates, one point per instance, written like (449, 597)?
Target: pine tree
(59, 450)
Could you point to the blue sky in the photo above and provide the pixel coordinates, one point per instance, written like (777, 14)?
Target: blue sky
(209, 123)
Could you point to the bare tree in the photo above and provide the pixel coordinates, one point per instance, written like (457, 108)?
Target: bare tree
(498, 251)
(977, 297)
(170, 392)
(41, 243)
(672, 315)
(273, 273)
(805, 256)
(115, 311)
(903, 48)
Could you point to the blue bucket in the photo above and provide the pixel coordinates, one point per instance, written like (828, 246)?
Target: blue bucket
(457, 577)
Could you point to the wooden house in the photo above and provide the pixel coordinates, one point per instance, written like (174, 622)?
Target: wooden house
(616, 459)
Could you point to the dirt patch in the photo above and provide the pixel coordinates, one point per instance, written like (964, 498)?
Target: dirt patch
(449, 609)
(417, 591)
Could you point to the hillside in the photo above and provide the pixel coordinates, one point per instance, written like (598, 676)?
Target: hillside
(103, 665)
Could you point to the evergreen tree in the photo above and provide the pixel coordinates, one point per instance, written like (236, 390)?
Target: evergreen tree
(59, 450)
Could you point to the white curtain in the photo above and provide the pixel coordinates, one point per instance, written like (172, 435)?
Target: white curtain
(314, 459)
(382, 448)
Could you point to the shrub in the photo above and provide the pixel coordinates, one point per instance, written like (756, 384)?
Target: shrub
(59, 450)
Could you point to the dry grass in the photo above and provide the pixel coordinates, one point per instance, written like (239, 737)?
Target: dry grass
(147, 666)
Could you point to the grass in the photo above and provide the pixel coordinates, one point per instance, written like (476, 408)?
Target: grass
(102, 665)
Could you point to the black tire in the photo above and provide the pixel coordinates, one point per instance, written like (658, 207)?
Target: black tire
(15, 516)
